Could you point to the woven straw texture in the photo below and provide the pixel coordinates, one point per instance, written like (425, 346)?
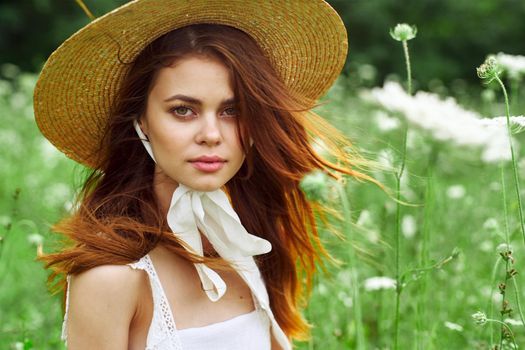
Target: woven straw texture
(305, 40)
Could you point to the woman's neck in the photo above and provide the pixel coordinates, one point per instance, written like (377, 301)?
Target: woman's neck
(164, 187)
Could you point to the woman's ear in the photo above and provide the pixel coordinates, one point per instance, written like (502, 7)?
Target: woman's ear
(138, 124)
(143, 124)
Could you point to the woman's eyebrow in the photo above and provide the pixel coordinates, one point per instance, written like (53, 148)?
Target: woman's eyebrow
(196, 101)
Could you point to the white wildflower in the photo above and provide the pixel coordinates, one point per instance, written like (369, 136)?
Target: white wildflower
(366, 222)
(513, 322)
(486, 246)
(57, 194)
(521, 165)
(35, 239)
(491, 224)
(322, 289)
(514, 65)
(456, 192)
(480, 318)
(378, 283)
(71, 206)
(10, 141)
(344, 277)
(49, 153)
(390, 207)
(403, 32)
(18, 100)
(18, 345)
(5, 220)
(497, 297)
(345, 298)
(495, 186)
(385, 122)
(408, 226)
(320, 147)
(367, 72)
(386, 158)
(499, 150)
(318, 186)
(9, 70)
(517, 123)
(453, 326)
(365, 218)
(503, 248)
(488, 95)
(485, 291)
(445, 120)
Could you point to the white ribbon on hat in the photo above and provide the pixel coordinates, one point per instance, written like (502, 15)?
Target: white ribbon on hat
(191, 212)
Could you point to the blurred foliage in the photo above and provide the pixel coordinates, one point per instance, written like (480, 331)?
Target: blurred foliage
(453, 35)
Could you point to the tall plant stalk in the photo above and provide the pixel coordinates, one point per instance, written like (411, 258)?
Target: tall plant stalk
(356, 302)
(489, 71)
(424, 257)
(514, 163)
(511, 276)
(402, 33)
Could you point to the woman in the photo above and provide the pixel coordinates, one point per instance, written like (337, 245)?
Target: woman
(192, 231)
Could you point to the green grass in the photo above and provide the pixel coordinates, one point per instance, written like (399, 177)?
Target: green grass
(36, 184)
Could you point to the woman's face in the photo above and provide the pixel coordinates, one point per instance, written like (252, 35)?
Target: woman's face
(191, 113)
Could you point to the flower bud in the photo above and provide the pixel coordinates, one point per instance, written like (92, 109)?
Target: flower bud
(480, 318)
(35, 239)
(315, 186)
(403, 32)
(489, 70)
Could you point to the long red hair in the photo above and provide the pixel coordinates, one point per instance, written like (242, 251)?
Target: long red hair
(117, 220)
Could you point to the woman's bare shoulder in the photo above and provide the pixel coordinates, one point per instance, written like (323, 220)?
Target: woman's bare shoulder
(102, 303)
(108, 276)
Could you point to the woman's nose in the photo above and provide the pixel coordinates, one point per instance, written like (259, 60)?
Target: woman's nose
(209, 131)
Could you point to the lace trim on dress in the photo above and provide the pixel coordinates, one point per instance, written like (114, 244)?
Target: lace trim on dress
(168, 339)
(63, 335)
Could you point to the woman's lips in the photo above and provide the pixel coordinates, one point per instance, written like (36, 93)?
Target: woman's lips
(208, 167)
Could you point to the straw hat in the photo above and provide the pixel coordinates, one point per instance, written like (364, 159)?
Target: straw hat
(305, 40)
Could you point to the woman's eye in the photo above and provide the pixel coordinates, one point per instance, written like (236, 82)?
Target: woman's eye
(231, 111)
(181, 111)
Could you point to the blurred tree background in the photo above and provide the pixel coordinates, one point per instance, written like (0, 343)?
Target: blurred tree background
(459, 202)
(454, 35)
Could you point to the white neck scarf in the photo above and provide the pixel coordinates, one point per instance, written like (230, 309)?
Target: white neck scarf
(212, 214)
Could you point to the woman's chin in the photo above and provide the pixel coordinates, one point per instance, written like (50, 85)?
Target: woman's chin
(205, 186)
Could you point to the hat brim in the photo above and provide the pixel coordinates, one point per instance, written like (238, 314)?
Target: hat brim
(305, 41)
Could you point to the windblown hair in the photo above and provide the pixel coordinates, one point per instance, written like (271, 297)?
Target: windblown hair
(117, 220)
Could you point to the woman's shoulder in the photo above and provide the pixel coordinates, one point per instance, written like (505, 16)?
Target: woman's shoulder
(114, 286)
(107, 276)
(103, 301)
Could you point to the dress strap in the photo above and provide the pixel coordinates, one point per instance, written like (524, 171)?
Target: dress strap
(64, 323)
(163, 332)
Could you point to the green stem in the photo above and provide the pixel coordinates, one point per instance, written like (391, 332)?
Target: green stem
(491, 301)
(399, 286)
(507, 239)
(409, 70)
(514, 87)
(508, 328)
(311, 340)
(424, 258)
(503, 294)
(517, 294)
(514, 166)
(356, 307)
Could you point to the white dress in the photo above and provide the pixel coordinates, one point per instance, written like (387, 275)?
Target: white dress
(247, 331)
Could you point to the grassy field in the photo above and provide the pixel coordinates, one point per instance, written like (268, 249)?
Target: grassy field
(450, 235)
